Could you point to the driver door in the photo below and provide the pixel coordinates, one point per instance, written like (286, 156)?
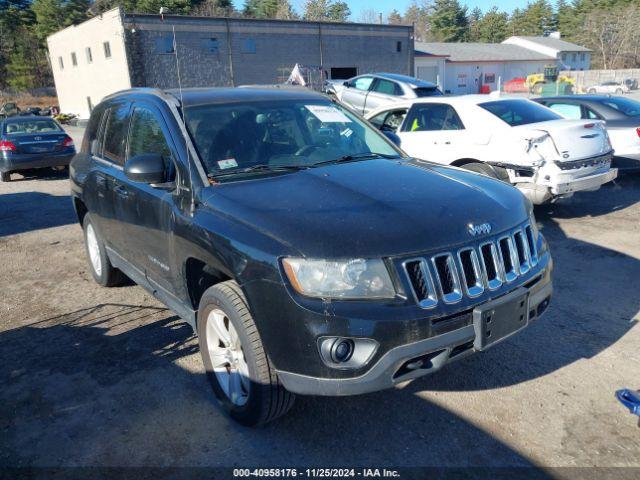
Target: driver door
(148, 212)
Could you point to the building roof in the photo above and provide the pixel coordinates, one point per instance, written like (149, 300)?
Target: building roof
(555, 43)
(478, 52)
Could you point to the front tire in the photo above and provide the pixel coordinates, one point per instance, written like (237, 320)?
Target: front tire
(237, 365)
(102, 271)
(494, 172)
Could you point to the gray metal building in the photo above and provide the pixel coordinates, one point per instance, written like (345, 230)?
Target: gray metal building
(117, 50)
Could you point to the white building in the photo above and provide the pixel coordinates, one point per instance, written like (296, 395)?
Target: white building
(78, 52)
(569, 56)
(461, 68)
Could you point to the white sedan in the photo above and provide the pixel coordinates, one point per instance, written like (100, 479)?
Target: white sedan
(513, 139)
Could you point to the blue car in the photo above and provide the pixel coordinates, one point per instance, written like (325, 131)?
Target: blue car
(31, 142)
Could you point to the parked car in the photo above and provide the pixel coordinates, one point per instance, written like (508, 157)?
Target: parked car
(9, 109)
(309, 254)
(30, 142)
(368, 92)
(609, 87)
(513, 139)
(32, 111)
(622, 117)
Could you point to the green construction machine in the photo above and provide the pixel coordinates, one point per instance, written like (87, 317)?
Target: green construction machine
(550, 83)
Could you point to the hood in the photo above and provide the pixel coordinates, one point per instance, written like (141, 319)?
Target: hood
(372, 208)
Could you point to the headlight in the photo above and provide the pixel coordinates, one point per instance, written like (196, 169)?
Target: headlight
(357, 278)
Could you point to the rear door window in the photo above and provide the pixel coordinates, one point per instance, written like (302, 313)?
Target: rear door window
(567, 110)
(387, 87)
(519, 112)
(115, 133)
(432, 117)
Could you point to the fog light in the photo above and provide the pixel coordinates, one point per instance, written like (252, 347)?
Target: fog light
(345, 352)
(342, 350)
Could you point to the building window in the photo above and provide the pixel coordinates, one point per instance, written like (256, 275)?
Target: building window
(107, 49)
(398, 46)
(164, 44)
(582, 56)
(74, 60)
(343, 73)
(564, 57)
(61, 63)
(574, 57)
(210, 45)
(89, 55)
(249, 46)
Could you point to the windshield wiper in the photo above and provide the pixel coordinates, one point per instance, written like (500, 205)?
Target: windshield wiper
(355, 156)
(258, 169)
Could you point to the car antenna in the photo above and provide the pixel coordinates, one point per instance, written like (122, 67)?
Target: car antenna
(192, 203)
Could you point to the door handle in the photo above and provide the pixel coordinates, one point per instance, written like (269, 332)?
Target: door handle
(121, 191)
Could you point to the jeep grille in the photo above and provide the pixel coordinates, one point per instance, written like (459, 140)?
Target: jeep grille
(449, 276)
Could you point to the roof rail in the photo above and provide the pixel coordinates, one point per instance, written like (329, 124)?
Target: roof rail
(146, 90)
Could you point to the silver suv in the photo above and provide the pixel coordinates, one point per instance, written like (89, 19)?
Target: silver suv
(368, 92)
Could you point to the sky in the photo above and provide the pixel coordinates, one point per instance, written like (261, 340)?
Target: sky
(385, 6)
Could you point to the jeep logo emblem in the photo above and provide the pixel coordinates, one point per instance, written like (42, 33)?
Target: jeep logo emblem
(479, 229)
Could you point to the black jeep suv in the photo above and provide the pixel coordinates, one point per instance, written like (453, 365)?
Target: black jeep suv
(309, 254)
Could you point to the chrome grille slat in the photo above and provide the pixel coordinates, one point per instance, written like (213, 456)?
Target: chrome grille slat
(471, 271)
(447, 280)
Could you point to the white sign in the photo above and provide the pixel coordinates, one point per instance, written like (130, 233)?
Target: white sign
(328, 114)
(228, 163)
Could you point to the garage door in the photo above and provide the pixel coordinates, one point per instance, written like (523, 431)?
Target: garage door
(430, 74)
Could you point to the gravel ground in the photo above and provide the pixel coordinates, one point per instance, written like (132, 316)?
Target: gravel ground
(108, 377)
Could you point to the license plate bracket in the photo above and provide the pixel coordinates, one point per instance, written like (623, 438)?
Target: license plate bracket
(500, 318)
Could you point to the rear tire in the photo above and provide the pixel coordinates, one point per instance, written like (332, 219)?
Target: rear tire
(237, 365)
(5, 177)
(591, 90)
(619, 91)
(102, 271)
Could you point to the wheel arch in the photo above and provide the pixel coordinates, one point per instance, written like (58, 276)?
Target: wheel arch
(199, 276)
(80, 209)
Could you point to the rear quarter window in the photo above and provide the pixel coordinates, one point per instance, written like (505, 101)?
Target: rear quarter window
(519, 112)
(427, 92)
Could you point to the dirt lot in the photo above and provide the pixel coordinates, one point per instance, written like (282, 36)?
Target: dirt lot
(108, 377)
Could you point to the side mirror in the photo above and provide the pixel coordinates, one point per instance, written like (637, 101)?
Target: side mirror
(393, 136)
(145, 168)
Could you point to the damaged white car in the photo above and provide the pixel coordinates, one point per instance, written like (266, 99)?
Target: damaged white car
(516, 140)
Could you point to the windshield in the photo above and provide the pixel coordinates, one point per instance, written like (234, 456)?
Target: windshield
(629, 107)
(41, 125)
(234, 137)
(519, 112)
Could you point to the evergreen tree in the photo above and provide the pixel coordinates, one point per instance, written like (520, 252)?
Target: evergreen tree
(493, 27)
(339, 12)
(418, 16)
(449, 21)
(536, 19)
(474, 19)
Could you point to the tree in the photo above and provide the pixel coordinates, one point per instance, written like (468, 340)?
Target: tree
(417, 14)
(214, 8)
(394, 18)
(493, 27)
(339, 12)
(369, 16)
(285, 11)
(449, 21)
(326, 11)
(474, 19)
(537, 18)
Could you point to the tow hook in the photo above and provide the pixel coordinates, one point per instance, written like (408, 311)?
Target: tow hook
(631, 400)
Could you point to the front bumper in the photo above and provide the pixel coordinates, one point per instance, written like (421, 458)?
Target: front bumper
(433, 353)
(26, 161)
